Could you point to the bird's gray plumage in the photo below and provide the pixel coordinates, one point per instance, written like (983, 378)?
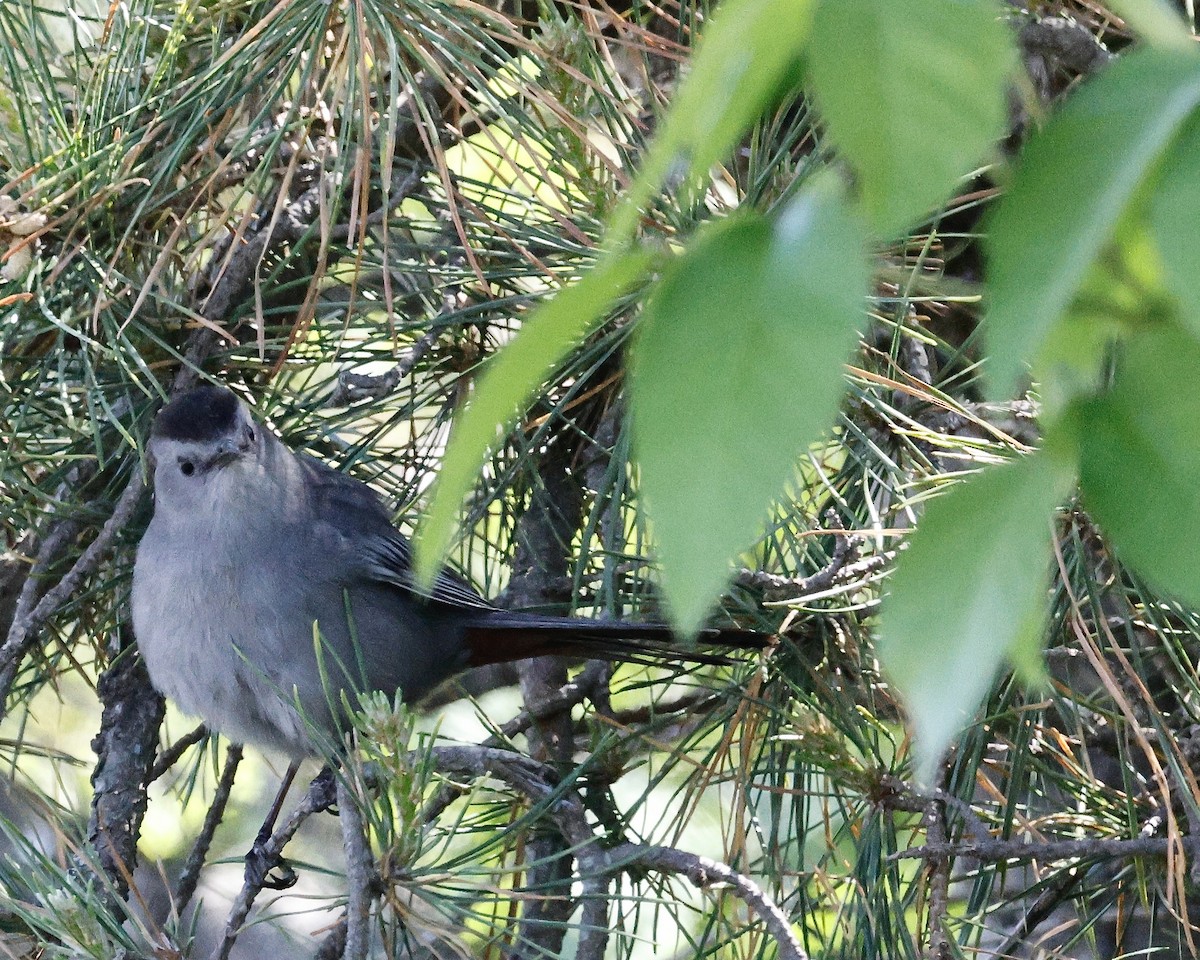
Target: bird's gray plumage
(267, 580)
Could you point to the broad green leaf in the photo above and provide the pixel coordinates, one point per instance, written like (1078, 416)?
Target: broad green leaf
(1154, 21)
(1120, 294)
(1140, 467)
(1073, 183)
(744, 57)
(510, 379)
(736, 369)
(914, 94)
(1172, 215)
(970, 590)
(1073, 361)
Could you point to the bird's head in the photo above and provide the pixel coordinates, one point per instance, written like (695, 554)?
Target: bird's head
(202, 441)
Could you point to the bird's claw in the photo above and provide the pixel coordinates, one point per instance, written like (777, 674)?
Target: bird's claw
(324, 791)
(260, 864)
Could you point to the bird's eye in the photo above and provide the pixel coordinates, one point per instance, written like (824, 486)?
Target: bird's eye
(186, 467)
(250, 434)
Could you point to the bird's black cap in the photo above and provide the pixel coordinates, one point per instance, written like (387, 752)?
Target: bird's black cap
(200, 415)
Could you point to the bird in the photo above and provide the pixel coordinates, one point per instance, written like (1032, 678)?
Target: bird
(269, 589)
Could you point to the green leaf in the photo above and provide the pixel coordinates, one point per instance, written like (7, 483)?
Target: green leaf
(1073, 361)
(737, 367)
(511, 378)
(914, 94)
(745, 56)
(1154, 21)
(1141, 460)
(970, 590)
(1172, 222)
(1073, 184)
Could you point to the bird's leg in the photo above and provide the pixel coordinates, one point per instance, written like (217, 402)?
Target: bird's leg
(327, 784)
(261, 860)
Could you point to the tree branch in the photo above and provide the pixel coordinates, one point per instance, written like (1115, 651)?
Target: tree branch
(777, 588)
(360, 874)
(543, 538)
(315, 800)
(125, 749)
(170, 756)
(1021, 849)
(939, 885)
(185, 888)
(26, 623)
(705, 873)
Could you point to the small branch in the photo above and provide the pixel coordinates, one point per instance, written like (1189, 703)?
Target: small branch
(352, 387)
(795, 588)
(1063, 887)
(16, 567)
(360, 874)
(26, 621)
(892, 793)
(566, 697)
(939, 884)
(537, 782)
(705, 873)
(597, 866)
(169, 757)
(30, 576)
(401, 190)
(190, 876)
(334, 944)
(995, 850)
(699, 703)
(316, 800)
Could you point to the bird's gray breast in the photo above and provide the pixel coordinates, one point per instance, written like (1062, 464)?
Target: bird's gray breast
(214, 627)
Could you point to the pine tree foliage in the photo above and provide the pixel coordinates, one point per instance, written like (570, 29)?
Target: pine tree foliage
(343, 209)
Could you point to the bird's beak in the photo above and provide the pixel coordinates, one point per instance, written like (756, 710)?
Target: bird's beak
(228, 451)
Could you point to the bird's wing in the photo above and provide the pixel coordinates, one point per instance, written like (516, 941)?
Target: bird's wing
(356, 516)
(390, 561)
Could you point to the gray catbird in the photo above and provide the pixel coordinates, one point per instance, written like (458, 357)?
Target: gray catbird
(268, 582)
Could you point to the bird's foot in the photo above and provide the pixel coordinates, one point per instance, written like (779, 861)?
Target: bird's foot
(266, 868)
(324, 791)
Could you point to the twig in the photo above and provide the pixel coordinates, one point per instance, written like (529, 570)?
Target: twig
(334, 944)
(190, 876)
(939, 883)
(360, 873)
(995, 850)
(597, 866)
(316, 800)
(26, 622)
(697, 703)
(352, 387)
(705, 873)
(567, 696)
(779, 588)
(892, 793)
(538, 782)
(535, 780)
(401, 190)
(1063, 886)
(16, 565)
(62, 531)
(169, 757)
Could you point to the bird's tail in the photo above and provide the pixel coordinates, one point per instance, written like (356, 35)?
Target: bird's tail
(501, 637)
